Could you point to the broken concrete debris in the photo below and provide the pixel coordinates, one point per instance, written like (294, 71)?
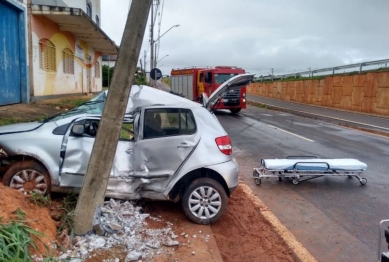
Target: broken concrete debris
(119, 223)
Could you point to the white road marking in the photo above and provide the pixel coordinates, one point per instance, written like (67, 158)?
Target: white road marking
(310, 140)
(240, 115)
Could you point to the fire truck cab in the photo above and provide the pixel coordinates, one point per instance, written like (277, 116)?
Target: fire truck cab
(193, 82)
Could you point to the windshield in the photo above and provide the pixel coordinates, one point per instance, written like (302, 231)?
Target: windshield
(94, 106)
(221, 78)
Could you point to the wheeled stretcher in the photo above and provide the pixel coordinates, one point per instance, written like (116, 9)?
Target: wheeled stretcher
(302, 168)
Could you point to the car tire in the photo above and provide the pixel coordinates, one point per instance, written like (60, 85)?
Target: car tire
(204, 201)
(28, 176)
(235, 110)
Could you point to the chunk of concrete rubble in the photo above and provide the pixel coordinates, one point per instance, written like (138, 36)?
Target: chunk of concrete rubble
(114, 226)
(170, 243)
(97, 243)
(153, 244)
(133, 256)
(120, 223)
(98, 229)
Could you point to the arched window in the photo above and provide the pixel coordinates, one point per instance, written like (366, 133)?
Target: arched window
(68, 61)
(47, 55)
(89, 9)
(97, 70)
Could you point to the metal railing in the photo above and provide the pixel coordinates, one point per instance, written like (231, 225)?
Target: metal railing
(311, 73)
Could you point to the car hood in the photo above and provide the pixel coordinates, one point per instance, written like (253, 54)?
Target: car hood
(236, 82)
(24, 127)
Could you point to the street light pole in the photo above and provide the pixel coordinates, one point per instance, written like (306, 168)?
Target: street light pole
(155, 56)
(160, 60)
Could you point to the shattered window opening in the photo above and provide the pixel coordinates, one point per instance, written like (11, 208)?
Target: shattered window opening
(163, 122)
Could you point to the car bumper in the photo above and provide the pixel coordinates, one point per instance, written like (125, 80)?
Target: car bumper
(230, 172)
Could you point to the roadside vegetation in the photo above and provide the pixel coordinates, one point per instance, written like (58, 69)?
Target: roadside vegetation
(16, 238)
(298, 78)
(9, 121)
(66, 103)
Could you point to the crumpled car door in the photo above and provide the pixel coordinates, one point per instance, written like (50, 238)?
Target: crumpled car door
(76, 151)
(163, 147)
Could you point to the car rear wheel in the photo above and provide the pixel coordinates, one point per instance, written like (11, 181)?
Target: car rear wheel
(235, 110)
(204, 201)
(28, 177)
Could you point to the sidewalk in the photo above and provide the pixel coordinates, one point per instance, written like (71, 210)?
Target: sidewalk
(365, 122)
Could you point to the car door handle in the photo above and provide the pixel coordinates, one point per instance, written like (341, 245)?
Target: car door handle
(183, 146)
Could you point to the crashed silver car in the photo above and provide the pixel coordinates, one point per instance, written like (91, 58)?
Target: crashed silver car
(170, 148)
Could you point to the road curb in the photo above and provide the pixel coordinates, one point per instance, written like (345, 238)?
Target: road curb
(297, 248)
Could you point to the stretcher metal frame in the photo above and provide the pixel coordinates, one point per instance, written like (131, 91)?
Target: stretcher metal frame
(300, 175)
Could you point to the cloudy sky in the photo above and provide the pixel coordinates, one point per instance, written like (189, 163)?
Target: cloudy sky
(258, 35)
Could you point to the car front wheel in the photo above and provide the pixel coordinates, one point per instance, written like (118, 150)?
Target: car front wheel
(28, 177)
(204, 201)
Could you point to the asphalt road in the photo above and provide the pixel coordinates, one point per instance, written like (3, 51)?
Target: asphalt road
(335, 218)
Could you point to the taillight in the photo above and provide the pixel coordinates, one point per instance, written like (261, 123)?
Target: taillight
(224, 144)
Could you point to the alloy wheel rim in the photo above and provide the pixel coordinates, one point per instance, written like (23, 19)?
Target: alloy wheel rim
(205, 202)
(29, 181)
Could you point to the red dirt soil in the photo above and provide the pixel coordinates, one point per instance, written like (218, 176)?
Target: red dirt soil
(37, 218)
(243, 234)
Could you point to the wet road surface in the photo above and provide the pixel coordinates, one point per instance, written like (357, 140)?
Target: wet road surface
(335, 218)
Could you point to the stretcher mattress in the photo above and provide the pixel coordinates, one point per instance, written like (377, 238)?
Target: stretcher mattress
(314, 164)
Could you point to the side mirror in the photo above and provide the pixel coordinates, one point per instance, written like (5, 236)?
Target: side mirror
(78, 130)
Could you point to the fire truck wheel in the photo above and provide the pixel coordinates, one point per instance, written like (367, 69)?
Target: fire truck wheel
(235, 110)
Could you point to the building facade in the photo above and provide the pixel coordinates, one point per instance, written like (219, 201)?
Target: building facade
(60, 45)
(67, 46)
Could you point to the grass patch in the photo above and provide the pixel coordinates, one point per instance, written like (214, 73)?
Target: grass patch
(68, 103)
(16, 238)
(67, 216)
(40, 200)
(9, 121)
(259, 105)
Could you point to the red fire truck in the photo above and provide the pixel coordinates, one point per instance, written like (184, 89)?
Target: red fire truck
(192, 82)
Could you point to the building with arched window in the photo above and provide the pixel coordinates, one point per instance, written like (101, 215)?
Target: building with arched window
(67, 39)
(60, 55)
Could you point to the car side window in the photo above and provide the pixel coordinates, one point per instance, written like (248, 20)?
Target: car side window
(164, 122)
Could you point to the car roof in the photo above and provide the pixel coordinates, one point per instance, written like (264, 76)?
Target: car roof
(144, 96)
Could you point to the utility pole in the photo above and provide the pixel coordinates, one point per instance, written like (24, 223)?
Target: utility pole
(272, 70)
(152, 37)
(95, 182)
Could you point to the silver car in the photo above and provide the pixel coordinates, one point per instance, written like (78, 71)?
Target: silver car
(170, 148)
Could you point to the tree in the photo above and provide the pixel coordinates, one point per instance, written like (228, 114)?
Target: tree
(140, 77)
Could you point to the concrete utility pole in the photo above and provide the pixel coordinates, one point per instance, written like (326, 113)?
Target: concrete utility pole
(152, 38)
(95, 182)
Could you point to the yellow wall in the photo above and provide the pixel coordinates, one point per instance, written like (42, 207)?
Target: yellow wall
(367, 93)
(55, 83)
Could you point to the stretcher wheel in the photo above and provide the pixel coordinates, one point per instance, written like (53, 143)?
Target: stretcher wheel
(258, 181)
(295, 181)
(363, 181)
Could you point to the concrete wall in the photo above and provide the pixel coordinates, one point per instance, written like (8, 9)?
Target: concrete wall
(367, 93)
